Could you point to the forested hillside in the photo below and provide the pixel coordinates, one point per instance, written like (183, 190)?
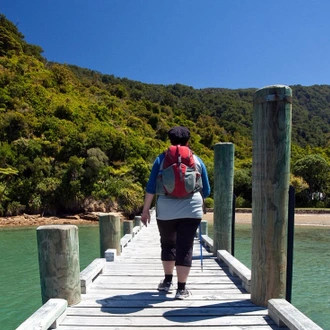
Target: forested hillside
(74, 140)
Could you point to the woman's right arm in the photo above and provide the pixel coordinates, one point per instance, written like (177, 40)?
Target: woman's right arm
(145, 216)
(150, 190)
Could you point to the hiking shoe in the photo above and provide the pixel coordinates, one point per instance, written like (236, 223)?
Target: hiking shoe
(165, 286)
(182, 294)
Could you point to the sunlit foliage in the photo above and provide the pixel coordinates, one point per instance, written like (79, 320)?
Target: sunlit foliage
(72, 139)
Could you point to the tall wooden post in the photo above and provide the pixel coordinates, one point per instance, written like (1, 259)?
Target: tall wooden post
(109, 227)
(270, 186)
(58, 254)
(223, 196)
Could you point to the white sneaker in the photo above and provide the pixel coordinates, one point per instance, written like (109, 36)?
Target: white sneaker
(165, 286)
(182, 294)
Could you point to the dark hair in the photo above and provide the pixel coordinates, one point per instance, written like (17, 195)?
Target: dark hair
(179, 135)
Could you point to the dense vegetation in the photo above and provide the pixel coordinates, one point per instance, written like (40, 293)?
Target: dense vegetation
(73, 140)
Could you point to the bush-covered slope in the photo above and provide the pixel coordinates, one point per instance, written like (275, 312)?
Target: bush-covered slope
(73, 139)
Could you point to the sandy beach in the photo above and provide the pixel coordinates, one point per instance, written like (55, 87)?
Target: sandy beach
(300, 219)
(20, 221)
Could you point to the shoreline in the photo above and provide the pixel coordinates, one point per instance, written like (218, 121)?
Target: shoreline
(301, 219)
(36, 221)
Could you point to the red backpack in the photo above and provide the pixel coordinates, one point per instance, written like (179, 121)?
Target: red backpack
(178, 175)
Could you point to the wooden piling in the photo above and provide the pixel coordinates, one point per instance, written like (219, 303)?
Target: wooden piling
(272, 115)
(223, 195)
(204, 228)
(109, 228)
(137, 221)
(59, 268)
(127, 227)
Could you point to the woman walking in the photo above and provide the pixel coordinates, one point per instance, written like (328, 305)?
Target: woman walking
(177, 218)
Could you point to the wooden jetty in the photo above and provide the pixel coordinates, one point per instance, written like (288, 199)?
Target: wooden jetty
(120, 292)
(125, 295)
(122, 295)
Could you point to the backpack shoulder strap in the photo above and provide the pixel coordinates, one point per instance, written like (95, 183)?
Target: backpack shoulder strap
(161, 158)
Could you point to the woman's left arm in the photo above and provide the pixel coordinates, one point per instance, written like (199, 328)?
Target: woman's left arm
(205, 180)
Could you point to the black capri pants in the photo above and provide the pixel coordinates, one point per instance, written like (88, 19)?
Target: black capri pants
(177, 240)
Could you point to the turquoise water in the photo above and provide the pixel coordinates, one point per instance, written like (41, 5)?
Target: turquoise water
(20, 294)
(311, 269)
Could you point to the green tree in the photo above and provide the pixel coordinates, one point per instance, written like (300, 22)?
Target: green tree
(94, 163)
(13, 125)
(315, 171)
(243, 184)
(7, 154)
(6, 174)
(46, 190)
(10, 37)
(70, 191)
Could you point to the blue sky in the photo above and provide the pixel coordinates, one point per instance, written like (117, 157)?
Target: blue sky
(199, 43)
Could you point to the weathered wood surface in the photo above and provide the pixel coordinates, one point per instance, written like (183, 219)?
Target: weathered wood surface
(236, 268)
(127, 227)
(223, 195)
(90, 272)
(272, 116)
(44, 317)
(124, 296)
(208, 242)
(109, 227)
(283, 313)
(58, 255)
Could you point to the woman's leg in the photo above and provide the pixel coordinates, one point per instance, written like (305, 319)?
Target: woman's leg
(186, 230)
(168, 267)
(182, 273)
(185, 241)
(167, 231)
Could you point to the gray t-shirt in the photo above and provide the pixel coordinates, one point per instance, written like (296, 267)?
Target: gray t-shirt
(169, 208)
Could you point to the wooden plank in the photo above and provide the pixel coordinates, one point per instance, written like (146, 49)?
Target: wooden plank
(45, 316)
(160, 273)
(157, 268)
(221, 287)
(156, 263)
(159, 312)
(128, 256)
(160, 296)
(136, 230)
(168, 320)
(237, 268)
(95, 301)
(136, 244)
(283, 313)
(154, 280)
(253, 327)
(90, 273)
(207, 242)
(211, 310)
(125, 240)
